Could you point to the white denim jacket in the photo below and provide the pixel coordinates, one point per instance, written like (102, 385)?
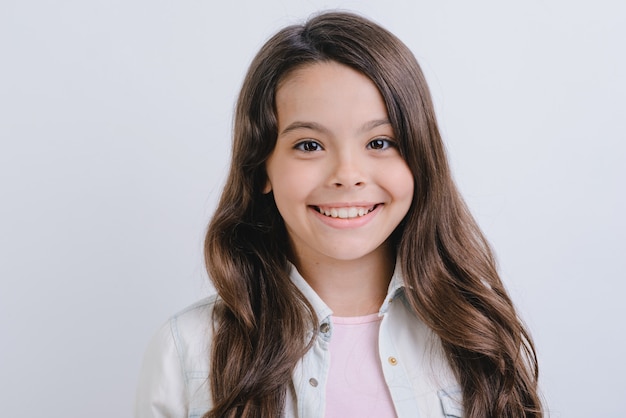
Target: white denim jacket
(173, 380)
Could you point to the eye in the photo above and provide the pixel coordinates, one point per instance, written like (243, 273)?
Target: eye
(308, 146)
(380, 144)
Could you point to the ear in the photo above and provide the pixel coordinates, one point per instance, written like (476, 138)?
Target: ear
(268, 187)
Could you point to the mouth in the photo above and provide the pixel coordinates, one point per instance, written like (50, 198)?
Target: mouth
(349, 212)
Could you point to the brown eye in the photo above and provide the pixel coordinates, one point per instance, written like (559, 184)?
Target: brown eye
(308, 146)
(380, 144)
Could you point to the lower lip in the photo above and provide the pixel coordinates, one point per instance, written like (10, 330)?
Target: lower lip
(340, 223)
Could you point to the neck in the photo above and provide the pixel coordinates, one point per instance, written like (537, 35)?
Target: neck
(352, 287)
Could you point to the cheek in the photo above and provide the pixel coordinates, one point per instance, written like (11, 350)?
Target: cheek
(401, 182)
(291, 189)
(296, 178)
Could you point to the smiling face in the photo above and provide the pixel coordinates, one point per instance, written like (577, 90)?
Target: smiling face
(336, 173)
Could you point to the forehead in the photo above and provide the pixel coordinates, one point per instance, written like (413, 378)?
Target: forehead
(318, 71)
(328, 90)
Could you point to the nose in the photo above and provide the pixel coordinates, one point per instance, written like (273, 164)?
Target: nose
(348, 171)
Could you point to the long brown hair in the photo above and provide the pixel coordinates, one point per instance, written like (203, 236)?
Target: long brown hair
(451, 280)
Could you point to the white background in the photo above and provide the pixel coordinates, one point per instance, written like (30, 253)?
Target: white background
(115, 121)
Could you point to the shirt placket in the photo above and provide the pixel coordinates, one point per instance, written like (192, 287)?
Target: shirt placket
(311, 374)
(394, 370)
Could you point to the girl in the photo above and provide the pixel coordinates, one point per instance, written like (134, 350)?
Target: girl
(351, 279)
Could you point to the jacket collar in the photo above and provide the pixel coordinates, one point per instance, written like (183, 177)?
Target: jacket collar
(396, 285)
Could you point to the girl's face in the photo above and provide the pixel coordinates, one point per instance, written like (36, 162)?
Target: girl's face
(337, 176)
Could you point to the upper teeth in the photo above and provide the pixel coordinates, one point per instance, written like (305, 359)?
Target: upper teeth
(345, 213)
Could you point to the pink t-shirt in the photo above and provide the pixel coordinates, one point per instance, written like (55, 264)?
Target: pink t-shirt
(356, 386)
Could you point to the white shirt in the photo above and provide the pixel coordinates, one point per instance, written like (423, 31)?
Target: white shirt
(173, 382)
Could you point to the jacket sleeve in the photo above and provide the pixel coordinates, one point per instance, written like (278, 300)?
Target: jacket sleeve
(162, 388)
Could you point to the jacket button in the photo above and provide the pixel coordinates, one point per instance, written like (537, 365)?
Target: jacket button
(392, 360)
(325, 327)
(313, 382)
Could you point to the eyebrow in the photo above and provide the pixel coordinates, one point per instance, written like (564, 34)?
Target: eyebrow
(373, 124)
(314, 126)
(303, 125)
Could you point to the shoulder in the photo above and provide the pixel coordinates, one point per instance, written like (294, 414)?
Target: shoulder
(193, 324)
(190, 331)
(174, 377)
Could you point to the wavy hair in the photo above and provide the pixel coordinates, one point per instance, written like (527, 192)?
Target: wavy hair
(451, 279)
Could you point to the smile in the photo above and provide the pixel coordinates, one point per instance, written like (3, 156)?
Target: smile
(346, 212)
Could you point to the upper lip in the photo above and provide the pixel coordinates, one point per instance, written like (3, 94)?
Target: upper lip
(346, 205)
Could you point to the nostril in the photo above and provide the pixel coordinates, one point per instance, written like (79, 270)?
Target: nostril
(356, 184)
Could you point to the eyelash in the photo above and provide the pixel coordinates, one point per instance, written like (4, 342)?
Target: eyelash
(301, 146)
(386, 143)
